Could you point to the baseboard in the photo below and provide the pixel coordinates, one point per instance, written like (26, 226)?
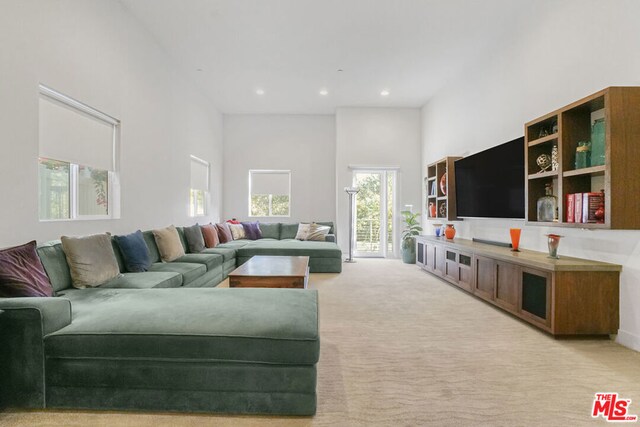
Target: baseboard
(628, 339)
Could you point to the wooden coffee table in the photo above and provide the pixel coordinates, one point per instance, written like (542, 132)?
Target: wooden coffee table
(271, 272)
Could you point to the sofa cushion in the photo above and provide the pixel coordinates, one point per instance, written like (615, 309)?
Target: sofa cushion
(22, 273)
(237, 231)
(55, 264)
(210, 234)
(210, 260)
(251, 230)
(169, 243)
(277, 326)
(227, 254)
(224, 233)
(189, 271)
(91, 260)
(291, 248)
(146, 280)
(150, 240)
(235, 244)
(288, 231)
(134, 251)
(195, 239)
(270, 231)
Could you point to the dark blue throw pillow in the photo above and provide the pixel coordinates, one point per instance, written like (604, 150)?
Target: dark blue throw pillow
(252, 230)
(135, 252)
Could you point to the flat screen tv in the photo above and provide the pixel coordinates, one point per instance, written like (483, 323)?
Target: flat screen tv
(490, 184)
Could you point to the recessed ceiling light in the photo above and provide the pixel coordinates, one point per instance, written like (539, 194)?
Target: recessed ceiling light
(323, 92)
(260, 91)
(385, 92)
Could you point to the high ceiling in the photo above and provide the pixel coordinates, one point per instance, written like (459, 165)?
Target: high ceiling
(291, 49)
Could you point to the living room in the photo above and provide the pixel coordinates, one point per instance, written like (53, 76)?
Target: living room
(324, 91)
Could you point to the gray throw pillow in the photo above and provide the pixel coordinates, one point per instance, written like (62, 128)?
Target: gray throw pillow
(195, 239)
(91, 260)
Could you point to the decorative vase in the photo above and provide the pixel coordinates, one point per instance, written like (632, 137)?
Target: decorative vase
(443, 184)
(432, 209)
(554, 158)
(515, 238)
(547, 205)
(450, 232)
(597, 143)
(409, 250)
(437, 229)
(583, 155)
(553, 241)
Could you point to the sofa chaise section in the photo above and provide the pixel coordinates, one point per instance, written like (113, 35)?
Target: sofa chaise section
(222, 350)
(324, 257)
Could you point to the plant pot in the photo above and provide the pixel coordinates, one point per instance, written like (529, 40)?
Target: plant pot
(409, 250)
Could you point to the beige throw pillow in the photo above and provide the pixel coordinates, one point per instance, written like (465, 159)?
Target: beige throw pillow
(318, 232)
(169, 244)
(91, 260)
(303, 231)
(237, 231)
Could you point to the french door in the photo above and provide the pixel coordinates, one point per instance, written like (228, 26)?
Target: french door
(374, 213)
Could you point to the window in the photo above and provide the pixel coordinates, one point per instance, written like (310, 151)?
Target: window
(199, 191)
(77, 159)
(269, 193)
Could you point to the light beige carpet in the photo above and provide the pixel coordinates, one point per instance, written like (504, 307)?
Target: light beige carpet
(402, 348)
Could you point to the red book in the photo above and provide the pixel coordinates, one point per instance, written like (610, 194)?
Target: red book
(578, 207)
(571, 207)
(590, 204)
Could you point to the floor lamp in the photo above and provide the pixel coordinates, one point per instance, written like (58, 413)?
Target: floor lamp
(351, 191)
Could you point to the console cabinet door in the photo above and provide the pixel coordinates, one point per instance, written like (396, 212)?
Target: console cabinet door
(535, 296)
(440, 260)
(420, 253)
(451, 272)
(465, 275)
(484, 283)
(507, 285)
(430, 257)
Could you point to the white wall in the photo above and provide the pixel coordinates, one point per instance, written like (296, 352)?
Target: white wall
(567, 53)
(304, 144)
(96, 52)
(378, 137)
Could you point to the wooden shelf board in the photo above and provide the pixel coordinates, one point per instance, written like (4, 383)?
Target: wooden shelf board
(433, 178)
(441, 198)
(593, 170)
(542, 140)
(567, 224)
(543, 175)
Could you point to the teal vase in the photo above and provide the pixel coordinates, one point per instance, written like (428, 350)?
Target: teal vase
(597, 143)
(409, 250)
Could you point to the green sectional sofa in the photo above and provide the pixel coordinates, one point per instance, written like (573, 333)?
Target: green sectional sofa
(167, 339)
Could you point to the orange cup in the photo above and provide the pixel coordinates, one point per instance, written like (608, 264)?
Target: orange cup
(515, 238)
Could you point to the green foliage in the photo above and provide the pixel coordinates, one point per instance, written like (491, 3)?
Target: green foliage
(411, 224)
(260, 205)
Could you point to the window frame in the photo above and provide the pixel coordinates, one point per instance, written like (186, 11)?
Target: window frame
(113, 187)
(268, 171)
(193, 206)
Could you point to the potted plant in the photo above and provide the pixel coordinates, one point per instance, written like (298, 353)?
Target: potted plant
(411, 230)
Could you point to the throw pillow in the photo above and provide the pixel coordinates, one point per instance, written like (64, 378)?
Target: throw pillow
(252, 230)
(233, 221)
(210, 234)
(318, 232)
(134, 252)
(270, 231)
(237, 230)
(91, 260)
(195, 239)
(169, 244)
(303, 231)
(22, 273)
(224, 233)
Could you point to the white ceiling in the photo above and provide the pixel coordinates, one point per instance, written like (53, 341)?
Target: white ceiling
(293, 48)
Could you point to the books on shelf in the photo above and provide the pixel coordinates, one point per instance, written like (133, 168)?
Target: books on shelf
(432, 190)
(582, 207)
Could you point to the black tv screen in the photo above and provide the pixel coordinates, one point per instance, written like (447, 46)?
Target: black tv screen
(490, 184)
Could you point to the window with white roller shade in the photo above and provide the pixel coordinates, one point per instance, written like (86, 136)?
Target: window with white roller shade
(199, 187)
(77, 159)
(269, 193)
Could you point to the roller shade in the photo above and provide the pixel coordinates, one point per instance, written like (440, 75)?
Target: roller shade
(199, 174)
(73, 136)
(270, 183)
